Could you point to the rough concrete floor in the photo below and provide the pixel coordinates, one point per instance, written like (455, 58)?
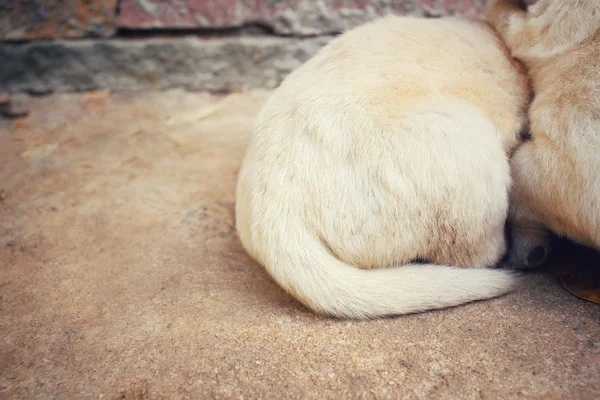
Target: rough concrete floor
(121, 276)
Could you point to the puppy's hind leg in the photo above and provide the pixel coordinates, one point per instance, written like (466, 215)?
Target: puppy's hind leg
(529, 239)
(495, 250)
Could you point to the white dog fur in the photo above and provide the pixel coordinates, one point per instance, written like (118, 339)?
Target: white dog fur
(390, 145)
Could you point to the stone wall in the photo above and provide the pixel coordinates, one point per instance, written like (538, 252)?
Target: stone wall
(216, 45)
(46, 19)
(283, 17)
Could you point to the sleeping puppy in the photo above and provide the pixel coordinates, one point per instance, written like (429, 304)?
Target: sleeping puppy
(556, 174)
(389, 146)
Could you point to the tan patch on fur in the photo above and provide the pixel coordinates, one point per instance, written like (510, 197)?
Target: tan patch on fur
(504, 119)
(395, 100)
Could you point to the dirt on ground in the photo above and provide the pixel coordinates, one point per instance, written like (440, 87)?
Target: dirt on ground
(121, 276)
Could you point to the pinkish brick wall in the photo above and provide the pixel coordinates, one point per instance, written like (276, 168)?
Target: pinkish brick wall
(289, 17)
(47, 19)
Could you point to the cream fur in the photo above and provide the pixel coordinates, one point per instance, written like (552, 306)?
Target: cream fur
(390, 145)
(557, 181)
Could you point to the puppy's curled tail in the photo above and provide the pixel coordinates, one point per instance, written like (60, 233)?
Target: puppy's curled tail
(305, 268)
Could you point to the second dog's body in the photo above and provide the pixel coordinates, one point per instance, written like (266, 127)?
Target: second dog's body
(556, 174)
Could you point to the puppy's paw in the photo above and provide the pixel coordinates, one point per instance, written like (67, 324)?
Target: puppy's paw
(528, 250)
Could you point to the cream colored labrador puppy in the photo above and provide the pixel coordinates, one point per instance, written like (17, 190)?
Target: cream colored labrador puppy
(389, 146)
(557, 173)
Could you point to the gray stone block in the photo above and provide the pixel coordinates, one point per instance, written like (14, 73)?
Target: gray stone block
(217, 64)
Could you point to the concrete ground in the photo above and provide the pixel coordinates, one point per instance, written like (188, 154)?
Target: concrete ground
(121, 277)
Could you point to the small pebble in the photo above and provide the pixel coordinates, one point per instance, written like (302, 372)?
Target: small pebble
(15, 106)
